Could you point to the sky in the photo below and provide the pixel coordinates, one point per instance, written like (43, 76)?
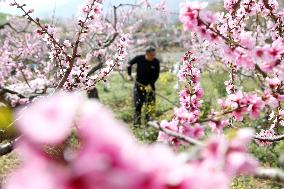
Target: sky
(68, 8)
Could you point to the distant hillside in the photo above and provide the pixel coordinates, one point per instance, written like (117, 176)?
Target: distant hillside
(3, 17)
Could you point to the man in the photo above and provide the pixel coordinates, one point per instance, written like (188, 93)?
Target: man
(147, 73)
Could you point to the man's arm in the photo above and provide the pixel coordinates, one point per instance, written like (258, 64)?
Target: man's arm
(156, 74)
(129, 66)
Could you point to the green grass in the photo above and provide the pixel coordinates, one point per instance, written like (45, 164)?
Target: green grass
(3, 17)
(118, 97)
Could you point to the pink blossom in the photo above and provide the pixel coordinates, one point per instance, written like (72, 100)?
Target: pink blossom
(208, 17)
(268, 66)
(280, 98)
(67, 43)
(51, 121)
(233, 153)
(218, 125)
(256, 105)
(245, 61)
(98, 8)
(260, 52)
(240, 162)
(270, 100)
(273, 82)
(35, 174)
(189, 13)
(247, 40)
(220, 181)
(199, 92)
(195, 131)
(109, 158)
(229, 5)
(266, 134)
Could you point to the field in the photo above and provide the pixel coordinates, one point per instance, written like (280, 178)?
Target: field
(117, 95)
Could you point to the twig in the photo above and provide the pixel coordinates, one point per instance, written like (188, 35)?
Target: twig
(174, 134)
(270, 139)
(8, 25)
(8, 147)
(5, 90)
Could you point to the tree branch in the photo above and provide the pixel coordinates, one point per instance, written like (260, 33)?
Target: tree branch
(174, 134)
(8, 147)
(4, 90)
(270, 173)
(270, 139)
(8, 25)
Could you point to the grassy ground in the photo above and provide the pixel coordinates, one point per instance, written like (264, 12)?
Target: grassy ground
(118, 97)
(2, 18)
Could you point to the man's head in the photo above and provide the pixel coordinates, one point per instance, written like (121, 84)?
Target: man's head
(150, 54)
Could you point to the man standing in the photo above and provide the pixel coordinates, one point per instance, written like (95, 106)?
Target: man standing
(147, 73)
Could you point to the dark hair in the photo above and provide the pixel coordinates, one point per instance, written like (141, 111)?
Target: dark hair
(150, 49)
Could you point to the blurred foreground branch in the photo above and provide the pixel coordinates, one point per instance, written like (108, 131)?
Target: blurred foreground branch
(270, 173)
(8, 147)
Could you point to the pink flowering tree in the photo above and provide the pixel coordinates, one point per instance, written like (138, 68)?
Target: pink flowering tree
(24, 69)
(54, 59)
(244, 46)
(43, 59)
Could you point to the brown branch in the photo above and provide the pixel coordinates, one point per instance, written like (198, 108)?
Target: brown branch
(270, 173)
(107, 43)
(8, 147)
(98, 66)
(260, 71)
(74, 52)
(110, 40)
(4, 90)
(274, 17)
(270, 139)
(13, 28)
(25, 78)
(235, 7)
(8, 25)
(174, 134)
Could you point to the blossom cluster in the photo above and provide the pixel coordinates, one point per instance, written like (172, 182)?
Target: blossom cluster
(24, 68)
(116, 60)
(242, 103)
(238, 45)
(185, 119)
(248, 41)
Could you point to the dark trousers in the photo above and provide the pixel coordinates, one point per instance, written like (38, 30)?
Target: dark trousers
(93, 93)
(142, 96)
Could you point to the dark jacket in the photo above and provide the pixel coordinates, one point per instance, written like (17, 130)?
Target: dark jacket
(147, 72)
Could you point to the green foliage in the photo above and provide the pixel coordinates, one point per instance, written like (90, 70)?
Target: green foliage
(245, 182)
(3, 17)
(6, 118)
(118, 98)
(216, 6)
(267, 155)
